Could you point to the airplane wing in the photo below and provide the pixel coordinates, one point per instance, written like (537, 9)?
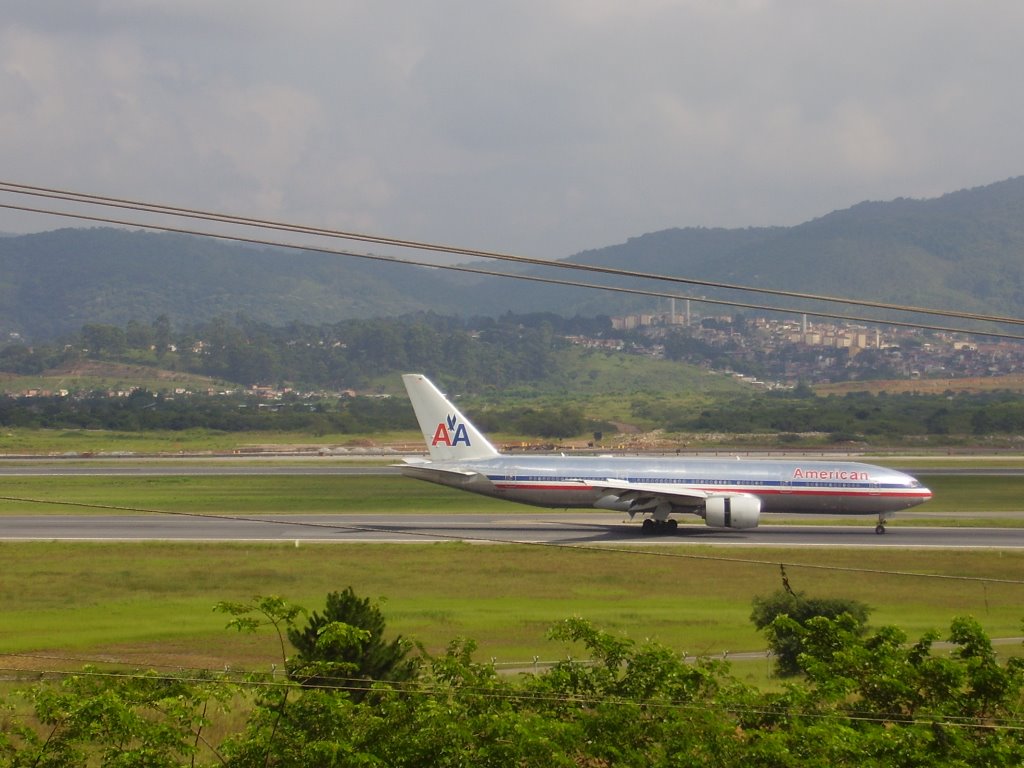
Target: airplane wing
(643, 495)
(728, 510)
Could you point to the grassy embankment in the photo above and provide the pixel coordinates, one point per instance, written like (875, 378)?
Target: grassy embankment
(150, 604)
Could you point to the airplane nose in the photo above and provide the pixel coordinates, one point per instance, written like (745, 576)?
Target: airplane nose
(924, 494)
(920, 494)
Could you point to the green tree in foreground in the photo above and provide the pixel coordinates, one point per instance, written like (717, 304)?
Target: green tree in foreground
(866, 699)
(97, 718)
(886, 702)
(783, 638)
(329, 657)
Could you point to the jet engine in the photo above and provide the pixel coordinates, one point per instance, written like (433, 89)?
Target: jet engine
(740, 510)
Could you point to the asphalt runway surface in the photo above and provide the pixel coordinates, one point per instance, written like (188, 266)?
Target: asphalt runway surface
(597, 528)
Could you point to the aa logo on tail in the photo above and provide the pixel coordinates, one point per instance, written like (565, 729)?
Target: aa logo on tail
(449, 432)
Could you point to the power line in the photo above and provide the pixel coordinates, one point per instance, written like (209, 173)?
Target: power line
(529, 278)
(434, 690)
(90, 199)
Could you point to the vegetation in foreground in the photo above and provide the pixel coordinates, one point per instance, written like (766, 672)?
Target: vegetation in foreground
(863, 699)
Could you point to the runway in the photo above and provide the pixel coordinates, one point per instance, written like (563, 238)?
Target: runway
(598, 528)
(578, 528)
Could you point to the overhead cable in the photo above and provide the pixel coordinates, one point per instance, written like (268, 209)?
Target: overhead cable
(515, 276)
(90, 199)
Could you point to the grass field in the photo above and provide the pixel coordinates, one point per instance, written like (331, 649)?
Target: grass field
(284, 494)
(246, 494)
(151, 604)
(56, 442)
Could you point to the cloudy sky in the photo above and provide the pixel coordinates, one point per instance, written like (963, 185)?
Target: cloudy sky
(540, 127)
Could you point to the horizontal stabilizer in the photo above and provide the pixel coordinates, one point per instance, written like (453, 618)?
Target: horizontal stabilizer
(417, 467)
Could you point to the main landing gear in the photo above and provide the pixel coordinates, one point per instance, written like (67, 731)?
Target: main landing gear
(659, 523)
(659, 527)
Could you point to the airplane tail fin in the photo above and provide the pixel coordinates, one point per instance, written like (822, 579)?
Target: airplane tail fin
(449, 434)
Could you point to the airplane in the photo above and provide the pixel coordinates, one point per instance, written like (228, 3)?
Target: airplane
(726, 493)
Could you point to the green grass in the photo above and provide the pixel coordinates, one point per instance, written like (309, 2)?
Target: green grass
(57, 442)
(152, 602)
(283, 494)
(967, 493)
(604, 385)
(239, 494)
(979, 462)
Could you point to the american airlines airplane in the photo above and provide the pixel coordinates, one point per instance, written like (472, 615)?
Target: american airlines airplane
(726, 493)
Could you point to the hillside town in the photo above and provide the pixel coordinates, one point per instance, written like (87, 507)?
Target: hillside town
(779, 352)
(767, 352)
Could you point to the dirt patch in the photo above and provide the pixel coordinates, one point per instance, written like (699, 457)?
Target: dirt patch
(1013, 382)
(104, 370)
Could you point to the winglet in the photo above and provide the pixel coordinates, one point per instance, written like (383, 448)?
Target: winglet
(449, 435)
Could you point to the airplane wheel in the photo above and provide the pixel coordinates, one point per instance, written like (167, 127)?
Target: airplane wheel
(658, 527)
(879, 529)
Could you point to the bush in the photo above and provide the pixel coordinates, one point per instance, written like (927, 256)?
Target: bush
(784, 639)
(328, 658)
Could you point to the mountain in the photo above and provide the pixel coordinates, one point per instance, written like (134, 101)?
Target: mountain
(54, 282)
(964, 250)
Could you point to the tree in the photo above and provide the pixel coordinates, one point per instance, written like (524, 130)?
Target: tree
(102, 339)
(329, 658)
(784, 639)
(162, 335)
(94, 718)
(18, 358)
(866, 700)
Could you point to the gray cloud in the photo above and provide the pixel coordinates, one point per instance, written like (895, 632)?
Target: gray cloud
(537, 127)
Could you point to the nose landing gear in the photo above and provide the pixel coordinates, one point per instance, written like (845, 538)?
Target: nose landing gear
(880, 528)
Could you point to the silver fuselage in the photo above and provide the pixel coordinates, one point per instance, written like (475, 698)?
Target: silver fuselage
(801, 486)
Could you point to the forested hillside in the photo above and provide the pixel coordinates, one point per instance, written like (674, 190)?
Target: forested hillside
(479, 353)
(964, 250)
(55, 282)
